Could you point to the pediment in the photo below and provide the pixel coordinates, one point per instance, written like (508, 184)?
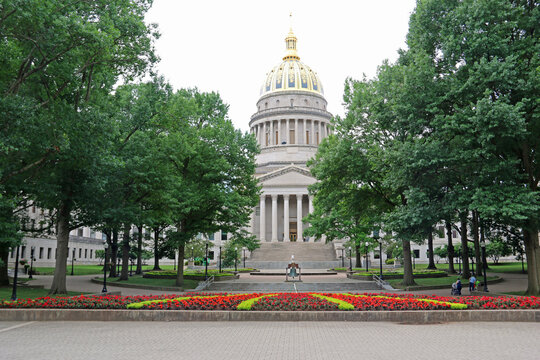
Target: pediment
(289, 175)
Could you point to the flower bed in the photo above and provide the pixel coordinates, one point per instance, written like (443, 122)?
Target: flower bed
(279, 302)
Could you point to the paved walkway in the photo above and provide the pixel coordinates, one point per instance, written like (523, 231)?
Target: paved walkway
(512, 282)
(266, 340)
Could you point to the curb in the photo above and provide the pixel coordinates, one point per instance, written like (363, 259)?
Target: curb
(412, 317)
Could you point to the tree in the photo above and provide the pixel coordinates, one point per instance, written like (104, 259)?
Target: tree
(62, 60)
(212, 165)
(496, 248)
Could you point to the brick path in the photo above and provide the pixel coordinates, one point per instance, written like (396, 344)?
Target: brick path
(263, 340)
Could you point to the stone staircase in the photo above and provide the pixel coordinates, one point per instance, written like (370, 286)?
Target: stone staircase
(357, 286)
(308, 255)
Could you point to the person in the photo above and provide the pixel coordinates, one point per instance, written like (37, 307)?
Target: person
(454, 289)
(477, 286)
(458, 287)
(472, 283)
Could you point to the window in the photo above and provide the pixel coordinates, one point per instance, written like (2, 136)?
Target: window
(291, 136)
(211, 237)
(33, 209)
(257, 211)
(317, 137)
(12, 253)
(103, 236)
(266, 139)
(48, 253)
(292, 102)
(86, 253)
(55, 252)
(33, 224)
(454, 234)
(416, 253)
(211, 255)
(80, 253)
(80, 232)
(440, 229)
(91, 252)
(92, 233)
(277, 137)
(223, 236)
(307, 137)
(23, 250)
(40, 253)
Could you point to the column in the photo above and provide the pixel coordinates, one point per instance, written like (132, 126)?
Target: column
(270, 142)
(274, 218)
(312, 132)
(286, 219)
(296, 131)
(262, 212)
(263, 142)
(288, 130)
(299, 230)
(310, 203)
(320, 132)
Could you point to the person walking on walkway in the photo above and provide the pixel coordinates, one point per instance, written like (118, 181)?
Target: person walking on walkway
(472, 283)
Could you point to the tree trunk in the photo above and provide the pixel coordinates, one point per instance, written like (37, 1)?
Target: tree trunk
(63, 219)
(4, 256)
(408, 279)
(180, 271)
(465, 271)
(358, 257)
(431, 264)
(476, 238)
(114, 254)
(139, 250)
(156, 248)
(124, 272)
(532, 250)
(451, 269)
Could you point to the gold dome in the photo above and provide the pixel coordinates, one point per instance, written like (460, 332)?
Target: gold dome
(291, 74)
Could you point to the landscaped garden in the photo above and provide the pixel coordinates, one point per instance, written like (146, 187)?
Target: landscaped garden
(279, 302)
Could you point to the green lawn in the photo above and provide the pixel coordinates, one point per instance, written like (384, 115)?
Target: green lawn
(91, 269)
(506, 267)
(139, 280)
(23, 293)
(434, 281)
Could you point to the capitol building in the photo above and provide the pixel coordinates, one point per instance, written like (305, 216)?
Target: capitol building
(290, 122)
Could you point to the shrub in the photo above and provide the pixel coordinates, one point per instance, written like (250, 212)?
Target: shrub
(389, 261)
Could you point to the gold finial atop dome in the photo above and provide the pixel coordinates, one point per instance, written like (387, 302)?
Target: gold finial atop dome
(290, 44)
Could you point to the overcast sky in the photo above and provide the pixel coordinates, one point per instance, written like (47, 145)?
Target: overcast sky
(229, 46)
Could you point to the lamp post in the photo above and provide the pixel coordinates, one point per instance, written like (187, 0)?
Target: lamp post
(14, 292)
(342, 258)
(130, 267)
(118, 267)
(244, 250)
(376, 237)
(174, 261)
(106, 246)
(483, 245)
(31, 261)
(72, 262)
(206, 263)
(367, 260)
(192, 258)
(220, 259)
(235, 258)
(472, 264)
(350, 259)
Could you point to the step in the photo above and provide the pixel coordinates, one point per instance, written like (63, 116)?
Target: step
(282, 265)
(294, 286)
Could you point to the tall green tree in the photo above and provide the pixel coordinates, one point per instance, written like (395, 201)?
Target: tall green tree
(60, 61)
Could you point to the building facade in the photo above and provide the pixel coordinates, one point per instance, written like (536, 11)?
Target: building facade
(290, 122)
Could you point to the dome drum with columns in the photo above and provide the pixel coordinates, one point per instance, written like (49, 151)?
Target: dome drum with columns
(290, 122)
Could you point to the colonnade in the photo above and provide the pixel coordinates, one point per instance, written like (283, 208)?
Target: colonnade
(296, 131)
(286, 216)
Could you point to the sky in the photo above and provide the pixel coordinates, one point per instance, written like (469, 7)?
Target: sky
(229, 46)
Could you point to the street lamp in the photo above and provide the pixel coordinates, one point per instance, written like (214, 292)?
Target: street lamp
(350, 259)
(235, 258)
(31, 261)
(376, 237)
(106, 246)
(130, 267)
(206, 263)
(367, 260)
(14, 292)
(72, 261)
(192, 258)
(244, 250)
(342, 258)
(174, 261)
(220, 259)
(483, 245)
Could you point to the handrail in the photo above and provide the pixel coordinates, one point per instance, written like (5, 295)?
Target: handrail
(205, 284)
(381, 283)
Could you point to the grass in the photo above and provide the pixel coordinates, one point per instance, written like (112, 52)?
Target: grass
(139, 280)
(23, 293)
(504, 267)
(396, 283)
(90, 269)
